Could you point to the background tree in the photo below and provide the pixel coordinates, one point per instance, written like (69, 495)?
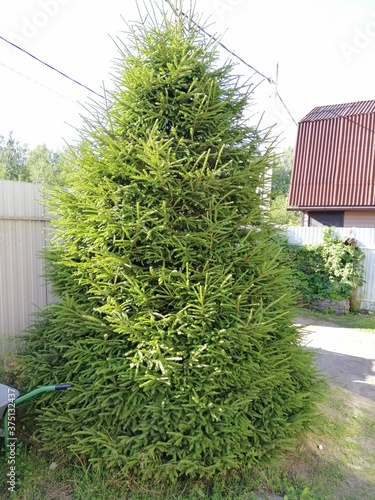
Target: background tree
(40, 165)
(174, 320)
(12, 159)
(281, 173)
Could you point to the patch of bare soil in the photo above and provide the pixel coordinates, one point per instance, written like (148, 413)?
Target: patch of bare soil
(346, 357)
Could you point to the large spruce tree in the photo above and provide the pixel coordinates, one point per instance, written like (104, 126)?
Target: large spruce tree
(174, 318)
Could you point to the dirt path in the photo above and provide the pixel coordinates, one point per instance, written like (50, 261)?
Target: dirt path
(346, 356)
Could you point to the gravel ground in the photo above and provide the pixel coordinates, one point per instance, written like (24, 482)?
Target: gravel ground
(346, 356)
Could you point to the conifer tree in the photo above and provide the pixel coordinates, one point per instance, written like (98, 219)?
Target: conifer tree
(174, 312)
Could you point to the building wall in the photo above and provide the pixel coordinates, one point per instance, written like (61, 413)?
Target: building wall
(360, 218)
(351, 218)
(326, 218)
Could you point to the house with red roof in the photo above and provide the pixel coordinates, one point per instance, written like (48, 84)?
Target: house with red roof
(333, 174)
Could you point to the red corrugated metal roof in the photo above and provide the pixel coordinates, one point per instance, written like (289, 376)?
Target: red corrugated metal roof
(339, 110)
(334, 163)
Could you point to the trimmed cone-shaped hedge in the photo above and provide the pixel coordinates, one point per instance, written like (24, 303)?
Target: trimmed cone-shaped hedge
(174, 318)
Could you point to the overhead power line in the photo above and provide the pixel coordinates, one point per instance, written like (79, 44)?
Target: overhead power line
(232, 53)
(50, 67)
(36, 82)
(283, 103)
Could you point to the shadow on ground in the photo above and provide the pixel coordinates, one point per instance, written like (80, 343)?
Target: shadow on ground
(353, 373)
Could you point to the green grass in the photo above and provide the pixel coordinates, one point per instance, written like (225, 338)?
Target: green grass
(358, 320)
(333, 460)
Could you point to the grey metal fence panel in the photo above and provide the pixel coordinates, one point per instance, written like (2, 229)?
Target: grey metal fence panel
(365, 241)
(23, 289)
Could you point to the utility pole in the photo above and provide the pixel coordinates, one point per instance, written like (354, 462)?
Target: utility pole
(276, 81)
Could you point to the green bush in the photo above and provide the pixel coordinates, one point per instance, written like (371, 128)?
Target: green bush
(332, 270)
(174, 319)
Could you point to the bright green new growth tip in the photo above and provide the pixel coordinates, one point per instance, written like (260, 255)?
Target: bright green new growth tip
(174, 318)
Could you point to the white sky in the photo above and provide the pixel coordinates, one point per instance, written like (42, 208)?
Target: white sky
(325, 50)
